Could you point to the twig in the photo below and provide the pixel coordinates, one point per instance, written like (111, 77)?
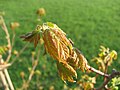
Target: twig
(8, 39)
(97, 71)
(7, 59)
(26, 84)
(4, 66)
(2, 76)
(106, 69)
(13, 38)
(34, 67)
(6, 74)
(19, 53)
(32, 72)
(3, 79)
(8, 79)
(112, 75)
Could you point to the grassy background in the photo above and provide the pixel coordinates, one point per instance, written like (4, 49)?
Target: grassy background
(89, 23)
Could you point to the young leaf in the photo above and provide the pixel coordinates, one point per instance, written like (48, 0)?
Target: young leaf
(32, 37)
(66, 72)
(56, 42)
(82, 64)
(87, 82)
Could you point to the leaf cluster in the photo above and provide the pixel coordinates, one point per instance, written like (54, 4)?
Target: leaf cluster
(69, 58)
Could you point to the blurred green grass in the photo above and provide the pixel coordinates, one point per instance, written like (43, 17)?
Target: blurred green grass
(89, 23)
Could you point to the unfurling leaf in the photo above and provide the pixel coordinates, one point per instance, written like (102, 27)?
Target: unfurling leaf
(32, 37)
(56, 42)
(111, 56)
(88, 86)
(66, 72)
(115, 83)
(77, 60)
(87, 82)
(105, 57)
(100, 63)
(82, 64)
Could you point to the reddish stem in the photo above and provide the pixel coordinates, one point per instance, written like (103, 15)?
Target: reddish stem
(97, 71)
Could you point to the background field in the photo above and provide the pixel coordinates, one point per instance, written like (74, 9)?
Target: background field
(89, 23)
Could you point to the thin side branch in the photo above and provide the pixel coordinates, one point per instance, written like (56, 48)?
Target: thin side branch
(112, 75)
(3, 66)
(13, 38)
(32, 72)
(108, 76)
(26, 83)
(35, 63)
(21, 51)
(4, 27)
